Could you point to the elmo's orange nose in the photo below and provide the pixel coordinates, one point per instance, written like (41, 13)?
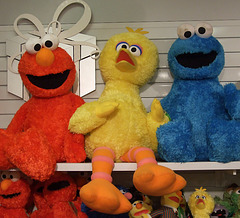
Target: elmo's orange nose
(45, 57)
(5, 184)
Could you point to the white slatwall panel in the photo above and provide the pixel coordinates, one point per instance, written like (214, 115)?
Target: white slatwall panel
(162, 34)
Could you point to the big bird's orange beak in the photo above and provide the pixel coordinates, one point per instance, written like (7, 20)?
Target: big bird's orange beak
(125, 61)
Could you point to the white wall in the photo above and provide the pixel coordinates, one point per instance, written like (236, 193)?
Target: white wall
(126, 10)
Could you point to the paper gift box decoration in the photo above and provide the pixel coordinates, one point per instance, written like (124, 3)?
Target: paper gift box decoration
(79, 46)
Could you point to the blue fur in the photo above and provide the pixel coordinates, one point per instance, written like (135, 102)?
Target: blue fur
(201, 128)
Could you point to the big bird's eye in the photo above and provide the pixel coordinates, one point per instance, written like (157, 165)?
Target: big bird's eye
(121, 45)
(204, 30)
(14, 175)
(50, 41)
(197, 197)
(136, 50)
(33, 45)
(185, 31)
(203, 197)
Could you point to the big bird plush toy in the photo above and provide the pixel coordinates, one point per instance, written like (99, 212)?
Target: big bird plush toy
(201, 203)
(117, 126)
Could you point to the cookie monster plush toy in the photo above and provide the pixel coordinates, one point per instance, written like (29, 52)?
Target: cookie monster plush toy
(204, 115)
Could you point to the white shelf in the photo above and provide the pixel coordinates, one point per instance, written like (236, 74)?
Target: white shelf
(189, 166)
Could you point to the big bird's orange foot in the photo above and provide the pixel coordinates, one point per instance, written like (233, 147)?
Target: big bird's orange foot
(102, 196)
(155, 180)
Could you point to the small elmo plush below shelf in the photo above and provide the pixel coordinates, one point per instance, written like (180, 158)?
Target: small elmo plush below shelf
(14, 195)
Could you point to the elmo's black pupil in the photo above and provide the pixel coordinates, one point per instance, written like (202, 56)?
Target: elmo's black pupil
(201, 30)
(133, 49)
(37, 47)
(4, 176)
(48, 43)
(187, 34)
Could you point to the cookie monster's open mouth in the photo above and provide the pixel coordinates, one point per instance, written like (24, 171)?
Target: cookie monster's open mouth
(51, 81)
(58, 185)
(11, 195)
(196, 60)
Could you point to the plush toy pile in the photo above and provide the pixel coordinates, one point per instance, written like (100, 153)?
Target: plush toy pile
(205, 116)
(118, 128)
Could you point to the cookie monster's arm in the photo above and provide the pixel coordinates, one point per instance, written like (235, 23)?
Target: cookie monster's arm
(232, 101)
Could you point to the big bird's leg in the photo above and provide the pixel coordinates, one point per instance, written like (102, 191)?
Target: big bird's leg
(100, 194)
(151, 178)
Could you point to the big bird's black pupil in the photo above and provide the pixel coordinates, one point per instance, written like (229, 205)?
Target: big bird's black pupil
(124, 46)
(133, 49)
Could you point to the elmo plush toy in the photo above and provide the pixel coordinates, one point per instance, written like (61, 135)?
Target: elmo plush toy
(14, 195)
(38, 137)
(54, 199)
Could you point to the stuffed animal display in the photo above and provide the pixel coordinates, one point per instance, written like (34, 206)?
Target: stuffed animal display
(38, 137)
(118, 128)
(14, 195)
(201, 203)
(204, 114)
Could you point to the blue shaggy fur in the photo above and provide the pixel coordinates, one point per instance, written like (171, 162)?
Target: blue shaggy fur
(205, 115)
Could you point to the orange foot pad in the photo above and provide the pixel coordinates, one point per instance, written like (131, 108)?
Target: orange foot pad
(102, 196)
(155, 180)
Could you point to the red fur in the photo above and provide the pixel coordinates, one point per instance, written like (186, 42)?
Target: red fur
(38, 137)
(57, 202)
(15, 206)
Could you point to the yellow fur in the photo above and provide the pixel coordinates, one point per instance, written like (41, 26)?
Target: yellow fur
(118, 119)
(201, 210)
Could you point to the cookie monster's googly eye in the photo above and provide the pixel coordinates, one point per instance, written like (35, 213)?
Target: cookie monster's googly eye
(185, 31)
(33, 45)
(204, 30)
(121, 45)
(136, 50)
(50, 41)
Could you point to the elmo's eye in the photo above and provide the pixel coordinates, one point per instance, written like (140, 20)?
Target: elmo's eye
(185, 31)
(13, 175)
(136, 50)
(4, 175)
(121, 45)
(50, 41)
(204, 30)
(33, 45)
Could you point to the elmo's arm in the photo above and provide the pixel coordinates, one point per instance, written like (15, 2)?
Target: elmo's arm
(17, 122)
(74, 143)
